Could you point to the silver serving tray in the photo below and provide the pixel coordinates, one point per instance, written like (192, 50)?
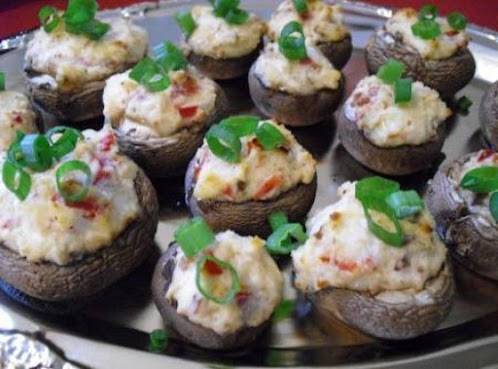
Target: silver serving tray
(113, 330)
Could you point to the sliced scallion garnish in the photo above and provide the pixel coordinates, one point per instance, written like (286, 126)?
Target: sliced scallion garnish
(186, 22)
(158, 340)
(150, 75)
(16, 180)
(405, 203)
(286, 238)
(49, 18)
(236, 16)
(493, 205)
(284, 310)
(269, 136)
(35, 150)
(428, 12)
(2, 81)
(463, 105)
(301, 6)
(232, 291)
(65, 143)
(292, 42)
(241, 125)
(403, 90)
(426, 29)
(224, 143)
(230, 11)
(277, 220)
(391, 71)
(457, 21)
(73, 191)
(93, 29)
(393, 238)
(481, 180)
(194, 236)
(169, 57)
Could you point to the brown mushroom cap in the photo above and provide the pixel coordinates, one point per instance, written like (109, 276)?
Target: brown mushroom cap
(470, 239)
(337, 52)
(394, 161)
(92, 273)
(488, 114)
(447, 76)
(223, 69)
(199, 335)
(294, 110)
(249, 217)
(418, 313)
(169, 156)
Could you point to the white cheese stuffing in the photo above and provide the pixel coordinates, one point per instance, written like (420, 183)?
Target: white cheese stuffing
(73, 60)
(261, 285)
(321, 23)
(216, 38)
(341, 252)
(44, 227)
(260, 174)
(444, 46)
(135, 111)
(304, 77)
(386, 124)
(16, 114)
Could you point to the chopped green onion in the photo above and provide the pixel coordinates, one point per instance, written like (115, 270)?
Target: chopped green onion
(2, 81)
(292, 42)
(36, 151)
(428, 12)
(224, 143)
(234, 289)
(481, 180)
(14, 154)
(236, 16)
(403, 90)
(241, 125)
(457, 21)
(169, 57)
(149, 74)
(49, 18)
(375, 187)
(65, 143)
(158, 340)
(269, 136)
(277, 220)
(426, 29)
(493, 205)
(93, 29)
(222, 7)
(284, 310)
(391, 71)
(280, 242)
(391, 238)
(405, 203)
(80, 11)
(66, 187)
(186, 22)
(301, 6)
(16, 180)
(463, 105)
(194, 236)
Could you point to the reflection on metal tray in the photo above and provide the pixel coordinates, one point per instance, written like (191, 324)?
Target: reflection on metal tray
(125, 313)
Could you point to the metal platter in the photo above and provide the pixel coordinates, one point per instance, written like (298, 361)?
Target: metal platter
(120, 319)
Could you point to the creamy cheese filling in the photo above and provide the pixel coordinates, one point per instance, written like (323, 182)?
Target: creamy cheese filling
(135, 111)
(220, 40)
(341, 252)
(304, 77)
(386, 124)
(44, 227)
(16, 114)
(444, 46)
(321, 23)
(73, 60)
(260, 292)
(260, 174)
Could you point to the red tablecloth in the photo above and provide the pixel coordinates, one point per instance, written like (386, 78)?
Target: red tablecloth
(18, 15)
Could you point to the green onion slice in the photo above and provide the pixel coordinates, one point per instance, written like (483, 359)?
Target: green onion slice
(65, 143)
(169, 57)
(236, 16)
(426, 29)
(158, 340)
(301, 6)
(463, 105)
(391, 71)
(269, 136)
(224, 143)
(457, 21)
(80, 11)
(2, 81)
(186, 22)
(391, 238)
(16, 180)
(280, 242)
(14, 154)
(403, 90)
(234, 289)
(35, 149)
(428, 12)
(49, 18)
(241, 125)
(493, 205)
(375, 187)
(481, 180)
(277, 220)
(194, 236)
(93, 29)
(292, 42)
(149, 74)
(284, 310)
(405, 203)
(65, 187)
(222, 7)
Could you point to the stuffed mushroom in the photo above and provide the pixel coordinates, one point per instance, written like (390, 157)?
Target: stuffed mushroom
(74, 225)
(222, 42)
(488, 114)
(265, 171)
(161, 129)
(295, 89)
(393, 138)
(323, 26)
(390, 290)
(66, 65)
(434, 49)
(241, 287)
(465, 212)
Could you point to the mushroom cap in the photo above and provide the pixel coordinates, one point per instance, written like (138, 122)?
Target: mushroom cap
(488, 114)
(337, 52)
